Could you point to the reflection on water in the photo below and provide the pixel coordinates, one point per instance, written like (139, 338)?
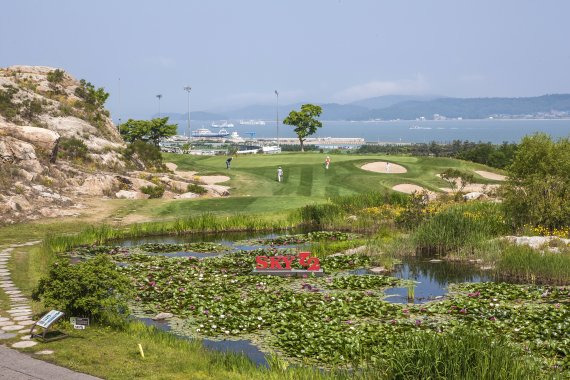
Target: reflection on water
(233, 240)
(243, 346)
(432, 278)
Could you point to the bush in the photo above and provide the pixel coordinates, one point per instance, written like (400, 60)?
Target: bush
(72, 148)
(153, 191)
(196, 189)
(538, 190)
(94, 288)
(147, 155)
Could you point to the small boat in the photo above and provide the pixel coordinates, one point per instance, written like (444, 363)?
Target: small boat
(418, 127)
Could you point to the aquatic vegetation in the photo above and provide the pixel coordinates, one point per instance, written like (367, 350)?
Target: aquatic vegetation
(524, 264)
(314, 236)
(355, 282)
(190, 247)
(460, 228)
(342, 319)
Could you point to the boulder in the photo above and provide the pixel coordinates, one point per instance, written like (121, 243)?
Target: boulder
(217, 190)
(41, 138)
(474, 195)
(128, 194)
(187, 196)
(162, 316)
(14, 150)
(98, 185)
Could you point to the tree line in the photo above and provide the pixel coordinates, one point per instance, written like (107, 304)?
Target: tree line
(495, 155)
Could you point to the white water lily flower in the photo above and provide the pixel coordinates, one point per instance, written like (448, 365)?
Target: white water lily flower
(494, 299)
(201, 325)
(214, 326)
(261, 319)
(197, 330)
(258, 326)
(222, 316)
(517, 329)
(227, 331)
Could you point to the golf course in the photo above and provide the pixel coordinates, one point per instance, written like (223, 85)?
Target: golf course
(254, 187)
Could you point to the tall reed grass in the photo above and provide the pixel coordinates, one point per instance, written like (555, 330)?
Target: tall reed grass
(459, 229)
(202, 223)
(462, 354)
(524, 264)
(334, 213)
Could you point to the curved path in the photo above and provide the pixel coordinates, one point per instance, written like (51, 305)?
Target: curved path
(15, 323)
(382, 167)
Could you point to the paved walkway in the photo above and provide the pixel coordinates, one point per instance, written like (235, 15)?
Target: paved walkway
(16, 322)
(18, 366)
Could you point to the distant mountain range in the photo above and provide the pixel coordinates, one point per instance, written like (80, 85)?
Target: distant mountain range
(403, 107)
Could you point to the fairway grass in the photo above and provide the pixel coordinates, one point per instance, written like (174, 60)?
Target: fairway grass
(254, 185)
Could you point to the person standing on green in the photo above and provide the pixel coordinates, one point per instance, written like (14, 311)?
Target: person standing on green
(279, 174)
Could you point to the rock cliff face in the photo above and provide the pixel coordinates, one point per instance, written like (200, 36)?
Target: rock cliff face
(58, 146)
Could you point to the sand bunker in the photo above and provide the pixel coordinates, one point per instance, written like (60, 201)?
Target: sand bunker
(381, 167)
(489, 175)
(213, 179)
(474, 187)
(410, 188)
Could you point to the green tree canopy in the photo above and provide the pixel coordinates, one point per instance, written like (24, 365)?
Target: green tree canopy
(538, 189)
(147, 130)
(305, 121)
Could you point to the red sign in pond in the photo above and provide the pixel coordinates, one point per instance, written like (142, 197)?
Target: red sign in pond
(286, 262)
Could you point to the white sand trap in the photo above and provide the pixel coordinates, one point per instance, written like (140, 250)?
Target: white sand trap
(380, 167)
(213, 179)
(489, 175)
(474, 187)
(409, 188)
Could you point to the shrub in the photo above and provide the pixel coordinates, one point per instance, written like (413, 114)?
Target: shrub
(147, 155)
(538, 190)
(72, 148)
(196, 189)
(95, 288)
(153, 191)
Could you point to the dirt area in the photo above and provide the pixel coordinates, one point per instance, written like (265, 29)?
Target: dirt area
(384, 167)
(213, 179)
(490, 175)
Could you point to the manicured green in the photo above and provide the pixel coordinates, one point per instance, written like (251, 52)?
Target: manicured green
(254, 185)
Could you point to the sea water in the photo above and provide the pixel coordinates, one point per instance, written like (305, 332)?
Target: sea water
(410, 131)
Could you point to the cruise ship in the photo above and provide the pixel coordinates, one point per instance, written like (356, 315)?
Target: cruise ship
(203, 132)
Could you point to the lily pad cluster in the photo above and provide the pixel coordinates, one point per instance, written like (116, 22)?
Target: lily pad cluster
(304, 238)
(341, 319)
(202, 247)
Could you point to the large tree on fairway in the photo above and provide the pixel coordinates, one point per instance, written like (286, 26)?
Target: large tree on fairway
(147, 130)
(305, 121)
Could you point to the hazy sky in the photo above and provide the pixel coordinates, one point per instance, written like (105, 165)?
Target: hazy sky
(234, 53)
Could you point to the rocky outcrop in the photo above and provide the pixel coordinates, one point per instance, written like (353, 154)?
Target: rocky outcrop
(42, 125)
(41, 138)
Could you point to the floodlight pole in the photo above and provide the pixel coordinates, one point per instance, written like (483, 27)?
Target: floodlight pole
(277, 116)
(188, 89)
(159, 96)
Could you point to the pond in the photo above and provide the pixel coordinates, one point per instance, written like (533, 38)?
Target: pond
(241, 346)
(432, 278)
(349, 315)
